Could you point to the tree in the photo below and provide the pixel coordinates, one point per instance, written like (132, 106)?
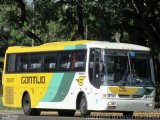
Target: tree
(43, 21)
(141, 21)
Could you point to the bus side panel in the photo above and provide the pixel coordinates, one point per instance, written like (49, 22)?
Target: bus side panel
(36, 85)
(65, 92)
(17, 84)
(10, 93)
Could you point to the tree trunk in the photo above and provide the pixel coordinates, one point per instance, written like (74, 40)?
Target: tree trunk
(21, 20)
(80, 20)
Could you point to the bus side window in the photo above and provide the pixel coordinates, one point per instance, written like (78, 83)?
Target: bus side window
(22, 64)
(78, 60)
(35, 63)
(50, 62)
(11, 60)
(64, 61)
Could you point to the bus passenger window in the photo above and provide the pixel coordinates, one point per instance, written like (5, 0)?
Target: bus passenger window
(11, 59)
(35, 63)
(64, 61)
(22, 64)
(78, 60)
(50, 62)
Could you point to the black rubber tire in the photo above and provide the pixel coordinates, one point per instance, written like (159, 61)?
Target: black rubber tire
(128, 114)
(26, 104)
(83, 106)
(66, 112)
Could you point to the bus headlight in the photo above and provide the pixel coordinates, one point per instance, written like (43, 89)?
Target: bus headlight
(112, 104)
(149, 105)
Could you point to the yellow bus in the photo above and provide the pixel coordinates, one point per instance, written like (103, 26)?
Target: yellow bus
(1, 67)
(79, 75)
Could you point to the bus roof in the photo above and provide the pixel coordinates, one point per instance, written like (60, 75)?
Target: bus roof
(71, 45)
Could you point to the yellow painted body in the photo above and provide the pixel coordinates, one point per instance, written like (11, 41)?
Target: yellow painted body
(13, 89)
(124, 91)
(46, 47)
(36, 91)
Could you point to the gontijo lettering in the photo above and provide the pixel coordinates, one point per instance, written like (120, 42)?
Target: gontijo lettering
(32, 79)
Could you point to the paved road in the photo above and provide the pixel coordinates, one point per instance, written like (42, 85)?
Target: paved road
(22, 117)
(12, 115)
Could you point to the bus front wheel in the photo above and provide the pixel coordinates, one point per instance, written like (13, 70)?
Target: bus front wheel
(26, 104)
(128, 114)
(83, 107)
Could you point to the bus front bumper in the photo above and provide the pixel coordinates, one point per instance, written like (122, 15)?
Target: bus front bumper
(125, 105)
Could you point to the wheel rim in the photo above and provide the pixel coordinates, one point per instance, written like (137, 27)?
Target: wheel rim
(26, 105)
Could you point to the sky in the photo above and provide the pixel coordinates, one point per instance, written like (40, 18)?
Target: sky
(29, 1)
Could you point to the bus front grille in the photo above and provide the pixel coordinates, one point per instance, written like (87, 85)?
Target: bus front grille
(9, 95)
(130, 96)
(137, 96)
(124, 96)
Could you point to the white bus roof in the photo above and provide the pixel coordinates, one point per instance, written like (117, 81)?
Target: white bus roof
(79, 44)
(119, 46)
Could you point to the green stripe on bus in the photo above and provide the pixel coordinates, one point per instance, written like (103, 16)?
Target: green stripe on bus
(64, 87)
(80, 46)
(53, 87)
(140, 91)
(144, 91)
(148, 91)
(69, 47)
(75, 47)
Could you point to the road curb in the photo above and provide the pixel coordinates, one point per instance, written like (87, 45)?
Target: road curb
(11, 112)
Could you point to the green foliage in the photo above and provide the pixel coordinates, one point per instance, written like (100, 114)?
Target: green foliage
(43, 21)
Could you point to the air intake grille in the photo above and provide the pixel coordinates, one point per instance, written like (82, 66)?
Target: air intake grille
(130, 96)
(9, 95)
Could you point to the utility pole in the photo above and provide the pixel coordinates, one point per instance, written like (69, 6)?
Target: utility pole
(86, 31)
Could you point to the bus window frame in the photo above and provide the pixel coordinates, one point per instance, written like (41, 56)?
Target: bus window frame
(42, 54)
(21, 54)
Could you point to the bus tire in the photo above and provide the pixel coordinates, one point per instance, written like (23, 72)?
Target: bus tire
(128, 114)
(66, 112)
(26, 104)
(83, 106)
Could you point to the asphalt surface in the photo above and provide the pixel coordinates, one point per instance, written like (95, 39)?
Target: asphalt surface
(18, 115)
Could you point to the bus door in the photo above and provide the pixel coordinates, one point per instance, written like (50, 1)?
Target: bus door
(95, 67)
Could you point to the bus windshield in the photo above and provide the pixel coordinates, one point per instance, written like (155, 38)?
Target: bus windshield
(124, 68)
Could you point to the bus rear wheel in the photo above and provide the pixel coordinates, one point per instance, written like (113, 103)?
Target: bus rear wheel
(66, 112)
(26, 104)
(83, 107)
